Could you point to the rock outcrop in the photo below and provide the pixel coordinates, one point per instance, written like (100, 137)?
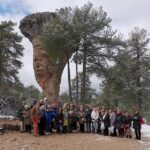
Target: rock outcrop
(47, 71)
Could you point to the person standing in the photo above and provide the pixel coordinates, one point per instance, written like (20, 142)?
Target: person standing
(20, 116)
(59, 121)
(81, 117)
(65, 120)
(95, 117)
(42, 122)
(27, 118)
(72, 121)
(137, 119)
(119, 123)
(101, 122)
(49, 119)
(112, 115)
(88, 119)
(106, 120)
(35, 116)
(128, 120)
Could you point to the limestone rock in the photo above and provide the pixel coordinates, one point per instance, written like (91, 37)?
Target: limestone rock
(47, 71)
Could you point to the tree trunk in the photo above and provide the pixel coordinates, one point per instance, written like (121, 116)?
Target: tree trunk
(83, 92)
(69, 80)
(138, 82)
(1, 57)
(77, 79)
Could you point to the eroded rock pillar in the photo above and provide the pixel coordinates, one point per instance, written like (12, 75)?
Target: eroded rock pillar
(48, 71)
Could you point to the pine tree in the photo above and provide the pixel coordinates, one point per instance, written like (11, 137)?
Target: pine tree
(127, 82)
(97, 38)
(138, 51)
(88, 90)
(11, 52)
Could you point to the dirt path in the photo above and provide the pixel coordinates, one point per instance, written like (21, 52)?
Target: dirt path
(76, 141)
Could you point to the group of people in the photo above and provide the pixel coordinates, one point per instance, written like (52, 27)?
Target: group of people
(46, 119)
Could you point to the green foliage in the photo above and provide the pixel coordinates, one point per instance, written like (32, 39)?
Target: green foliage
(59, 36)
(64, 97)
(31, 93)
(10, 53)
(90, 92)
(127, 82)
(12, 92)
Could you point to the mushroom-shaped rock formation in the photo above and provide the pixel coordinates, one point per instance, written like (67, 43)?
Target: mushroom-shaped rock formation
(47, 71)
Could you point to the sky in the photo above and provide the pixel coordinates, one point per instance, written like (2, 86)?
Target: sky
(125, 15)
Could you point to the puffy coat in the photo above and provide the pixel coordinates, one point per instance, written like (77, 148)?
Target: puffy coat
(137, 121)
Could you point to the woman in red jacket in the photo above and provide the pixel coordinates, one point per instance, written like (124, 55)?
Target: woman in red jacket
(35, 116)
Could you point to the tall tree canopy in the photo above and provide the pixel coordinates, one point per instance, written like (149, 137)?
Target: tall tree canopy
(127, 82)
(11, 52)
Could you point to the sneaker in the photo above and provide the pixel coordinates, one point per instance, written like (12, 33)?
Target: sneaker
(47, 133)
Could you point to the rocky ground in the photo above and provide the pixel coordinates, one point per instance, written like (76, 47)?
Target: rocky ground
(14, 140)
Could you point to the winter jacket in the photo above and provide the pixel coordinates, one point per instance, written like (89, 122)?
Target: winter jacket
(27, 117)
(49, 116)
(112, 118)
(95, 116)
(137, 121)
(106, 120)
(119, 122)
(35, 112)
(88, 116)
(128, 120)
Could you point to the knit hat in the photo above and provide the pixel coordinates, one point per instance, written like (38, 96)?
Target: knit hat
(26, 106)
